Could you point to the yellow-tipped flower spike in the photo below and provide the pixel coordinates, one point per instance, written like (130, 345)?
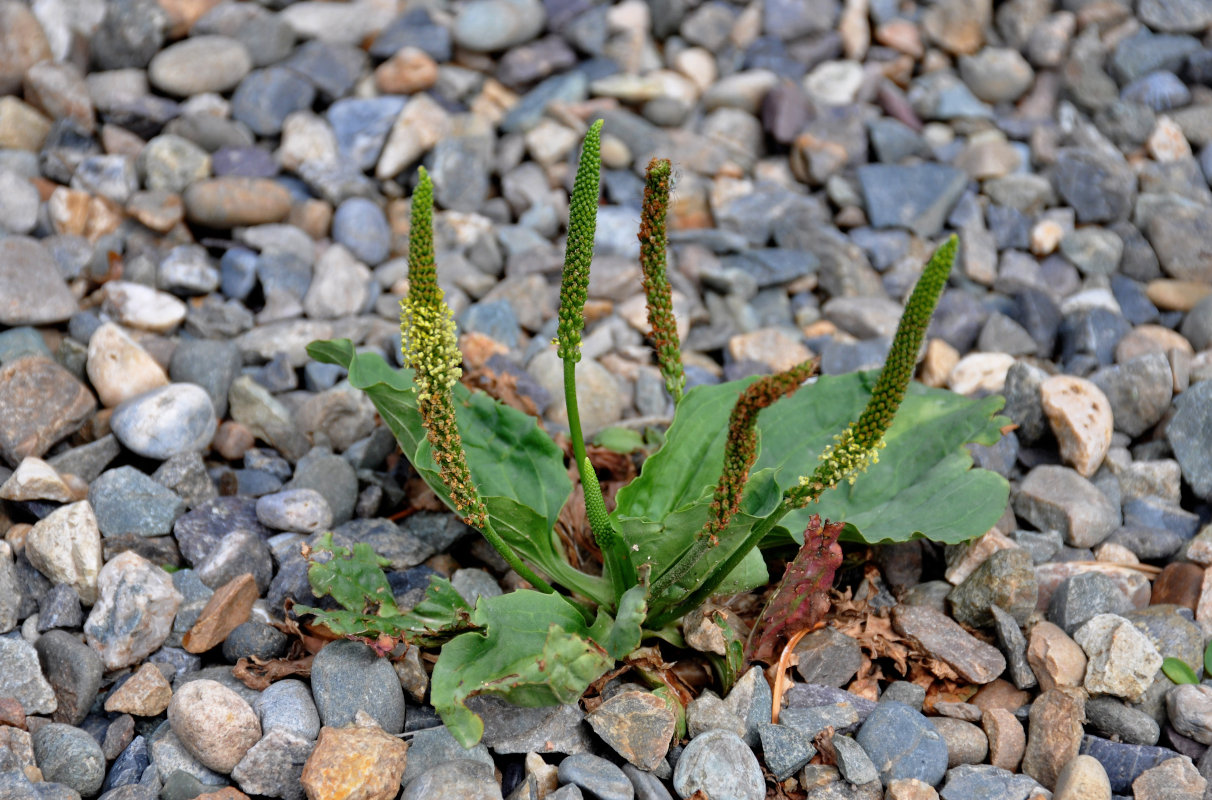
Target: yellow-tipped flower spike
(428, 335)
(661, 322)
(578, 253)
(858, 446)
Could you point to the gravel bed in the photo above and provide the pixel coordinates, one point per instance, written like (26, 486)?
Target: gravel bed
(191, 191)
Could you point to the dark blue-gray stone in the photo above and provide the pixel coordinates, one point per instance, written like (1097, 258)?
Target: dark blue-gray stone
(1144, 52)
(70, 756)
(237, 273)
(128, 767)
(254, 638)
(347, 676)
(199, 531)
(903, 744)
(1099, 188)
(331, 476)
(596, 777)
(1190, 436)
(1146, 542)
(265, 98)
(1092, 331)
(567, 87)
(1110, 716)
(1083, 596)
(495, 318)
(784, 749)
(330, 67)
(917, 197)
(60, 608)
(127, 501)
(23, 341)
(1138, 390)
(247, 162)
(986, 782)
(428, 748)
(285, 272)
(773, 266)
(415, 28)
(1039, 315)
(1155, 512)
(1124, 762)
(74, 671)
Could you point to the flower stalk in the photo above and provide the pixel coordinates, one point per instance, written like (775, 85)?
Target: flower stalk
(429, 348)
(653, 245)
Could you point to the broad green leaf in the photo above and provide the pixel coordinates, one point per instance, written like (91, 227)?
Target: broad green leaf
(622, 634)
(1208, 659)
(922, 486)
(1178, 671)
(517, 468)
(532, 649)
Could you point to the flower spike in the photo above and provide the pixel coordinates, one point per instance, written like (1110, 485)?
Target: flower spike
(664, 330)
(582, 225)
(858, 446)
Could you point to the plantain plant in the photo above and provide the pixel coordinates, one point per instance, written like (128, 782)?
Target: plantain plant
(745, 464)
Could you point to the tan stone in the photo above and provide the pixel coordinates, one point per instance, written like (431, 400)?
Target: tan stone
(910, 789)
(1046, 236)
(1083, 778)
(972, 554)
(1054, 733)
(980, 372)
(214, 723)
(65, 546)
(228, 608)
(22, 127)
(34, 479)
(1174, 779)
(1002, 694)
(356, 763)
(940, 360)
(119, 368)
(1055, 658)
(770, 346)
(901, 35)
(1080, 416)
(145, 694)
(1169, 294)
(1203, 608)
(410, 70)
(1150, 339)
(1007, 739)
(1167, 143)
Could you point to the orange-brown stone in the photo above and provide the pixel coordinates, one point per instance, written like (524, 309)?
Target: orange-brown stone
(229, 607)
(357, 763)
(145, 694)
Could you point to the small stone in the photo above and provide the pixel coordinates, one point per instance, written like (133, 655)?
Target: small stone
(137, 306)
(1178, 584)
(719, 764)
(1056, 498)
(1122, 660)
(299, 510)
(360, 762)
(347, 676)
(34, 479)
(1080, 416)
(464, 778)
(910, 789)
(1190, 711)
(199, 64)
(1111, 717)
(996, 74)
(1056, 659)
(943, 638)
(341, 284)
(408, 71)
(1005, 579)
(145, 694)
(165, 422)
(486, 26)
(231, 201)
(70, 756)
(1054, 733)
(916, 197)
(1006, 737)
(903, 744)
(1188, 434)
(21, 677)
(1175, 779)
(65, 546)
(828, 657)
(983, 372)
(966, 743)
(213, 723)
(134, 611)
(125, 500)
(274, 765)
(596, 777)
(784, 749)
(228, 607)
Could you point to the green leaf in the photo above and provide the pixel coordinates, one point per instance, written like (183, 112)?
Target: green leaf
(1208, 659)
(532, 649)
(620, 440)
(518, 469)
(1178, 671)
(623, 634)
(923, 485)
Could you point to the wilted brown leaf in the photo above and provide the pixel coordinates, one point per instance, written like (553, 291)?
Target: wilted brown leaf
(258, 675)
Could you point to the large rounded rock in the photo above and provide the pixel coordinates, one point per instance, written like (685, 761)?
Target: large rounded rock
(346, 677)
(232, 201)
(70, 756)
(214, 724)
(199, 64)
(165, 422)
(903, 744)
(720, 765)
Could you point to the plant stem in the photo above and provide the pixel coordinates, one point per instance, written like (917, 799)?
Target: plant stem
(513, 560)
(721, 571)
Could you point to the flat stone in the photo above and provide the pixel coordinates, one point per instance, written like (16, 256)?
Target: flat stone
(230, 606)
(347, 676)
(943, 638)
(30, 284)
(916, 197)
(126, 500)
(1056, 659)
(34, 479)
(40, 403)
(231, 201)
(1006, 738)
(1056, 498)
(638, 725)
(903, 744)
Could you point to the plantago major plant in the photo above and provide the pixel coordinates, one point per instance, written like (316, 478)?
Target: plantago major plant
(745, 465)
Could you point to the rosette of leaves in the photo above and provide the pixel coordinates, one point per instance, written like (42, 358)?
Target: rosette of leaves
(744, 465)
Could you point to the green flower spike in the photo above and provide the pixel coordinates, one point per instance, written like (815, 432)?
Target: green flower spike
(578, 253)
(858, 446)
(740, 452)
(428, 338)
(664, 330)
